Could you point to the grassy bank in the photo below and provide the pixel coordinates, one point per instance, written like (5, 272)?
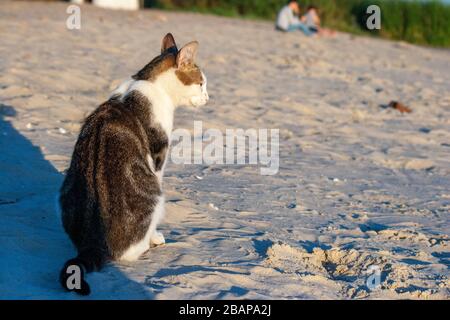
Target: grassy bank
(426, 23)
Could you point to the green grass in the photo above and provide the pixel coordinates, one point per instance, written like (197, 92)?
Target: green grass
(420, 22)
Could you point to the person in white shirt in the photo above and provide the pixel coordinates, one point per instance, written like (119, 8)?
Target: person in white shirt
(287, 19)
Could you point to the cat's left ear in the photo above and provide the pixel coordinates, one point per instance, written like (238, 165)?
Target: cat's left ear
(168, 42)
(186, 55)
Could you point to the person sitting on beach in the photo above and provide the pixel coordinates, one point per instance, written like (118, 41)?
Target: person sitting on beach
(287, 19)
(312, 21)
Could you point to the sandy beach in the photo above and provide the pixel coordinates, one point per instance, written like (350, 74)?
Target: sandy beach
(359, 184)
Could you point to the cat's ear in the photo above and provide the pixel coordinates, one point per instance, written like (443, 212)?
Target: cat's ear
(187, 54)
(168, 42)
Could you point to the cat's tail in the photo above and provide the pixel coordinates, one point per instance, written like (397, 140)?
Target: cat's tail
(72, 274)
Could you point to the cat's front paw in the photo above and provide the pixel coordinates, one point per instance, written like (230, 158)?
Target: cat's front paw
(157, 239)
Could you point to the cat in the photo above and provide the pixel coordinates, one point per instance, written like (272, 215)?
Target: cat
(111, 199)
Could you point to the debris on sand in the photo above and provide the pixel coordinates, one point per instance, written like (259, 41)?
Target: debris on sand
(399, 106)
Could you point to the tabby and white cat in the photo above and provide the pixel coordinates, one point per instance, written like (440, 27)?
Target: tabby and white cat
(112, 198)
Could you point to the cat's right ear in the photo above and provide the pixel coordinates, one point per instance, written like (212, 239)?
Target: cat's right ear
(168, 42)
(186, 55)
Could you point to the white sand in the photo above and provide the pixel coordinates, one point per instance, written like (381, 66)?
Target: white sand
(358, 185)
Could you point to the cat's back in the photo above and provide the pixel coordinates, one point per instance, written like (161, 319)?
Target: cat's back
(118, 119)
(111, 137)
(114, 113)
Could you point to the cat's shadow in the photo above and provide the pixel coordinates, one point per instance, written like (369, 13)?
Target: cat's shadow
(33, 245)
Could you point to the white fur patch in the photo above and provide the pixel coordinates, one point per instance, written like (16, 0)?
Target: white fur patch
(122, 88)
(158, 174)
(162, 105)
(201, 98)
(151, 163)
